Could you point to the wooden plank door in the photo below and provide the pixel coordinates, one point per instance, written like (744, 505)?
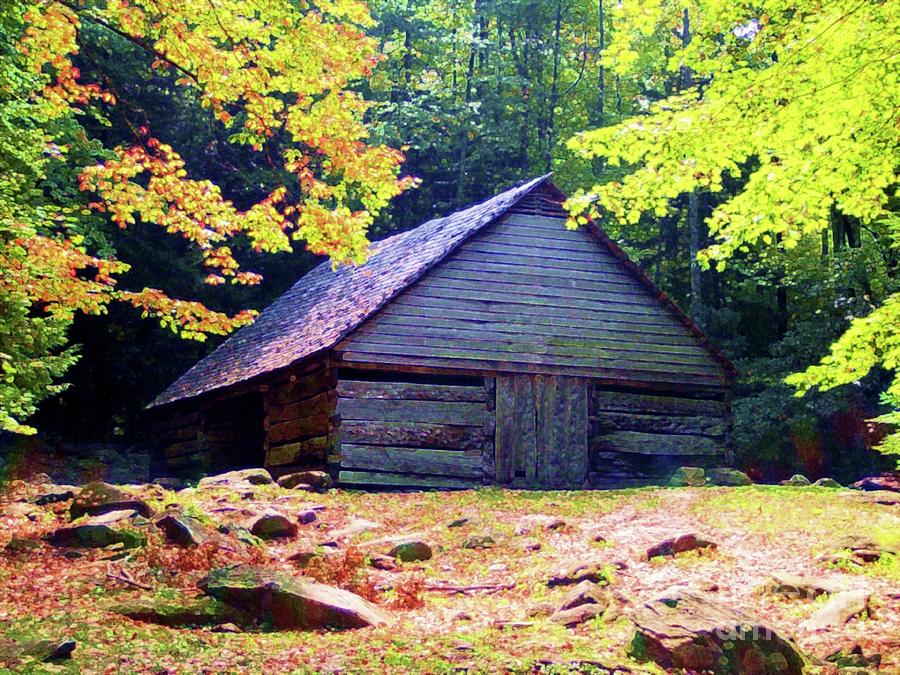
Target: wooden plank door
(541, 431)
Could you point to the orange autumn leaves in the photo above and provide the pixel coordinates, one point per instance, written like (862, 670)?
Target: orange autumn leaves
(275, 74)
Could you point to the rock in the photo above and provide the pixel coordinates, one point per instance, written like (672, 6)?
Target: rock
(272, 524)
(184, 531)
(227, 628)
(459, 522)
(541, 609)
(285, 602)
(688, 476)
(827, 483)
(461, 616)
(530, 545)
(40, 479)
(854, 658)
(202, 611)
(237, 479)
(53, 495)
(97, 498)
(797, 480)
(838, 610)
(528, 524)
(801, 587)
(580, 571)
(21, 545)
(727, 477)
(479, 541)
(383, 562)
(411, 551)
(20, 510)
(856, 542)
(689, 630)
(679, 544)
(597, 538)
(886, 481)
(306, 517)
(355, 527)
(100, 531)
(577, 615)
(170, 483)
(318, 480)
(40, 651)
(585, 593)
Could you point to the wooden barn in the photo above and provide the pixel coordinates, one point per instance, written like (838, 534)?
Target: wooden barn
(489, 346)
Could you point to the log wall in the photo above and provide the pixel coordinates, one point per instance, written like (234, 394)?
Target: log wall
(301, 422)
(640, 439)
(407, 431)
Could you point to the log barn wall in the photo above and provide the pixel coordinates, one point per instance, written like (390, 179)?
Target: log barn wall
(416, 431)
(638, 438)
(301, 421)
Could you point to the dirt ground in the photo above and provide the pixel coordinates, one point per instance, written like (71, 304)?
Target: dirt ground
(759, 531)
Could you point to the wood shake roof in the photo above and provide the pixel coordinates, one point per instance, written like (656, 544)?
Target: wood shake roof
(325, 305)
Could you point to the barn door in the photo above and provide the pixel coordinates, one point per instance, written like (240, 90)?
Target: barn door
(542, 431)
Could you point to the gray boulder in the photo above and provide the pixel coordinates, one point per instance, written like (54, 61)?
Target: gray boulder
(40, 651)
(838, 610)
(411, 551)
(317, 480)
(272, 524)
(237, 479)
(797, 480)
(115, 527)
(286, 602)
(801, 587)
(727, 477)
(478, 541)
(828, 483)
(679, 544)
(688, 630)
(579, 572)
(184, 531)
(202, 611)
(688, 476)
(97, 498)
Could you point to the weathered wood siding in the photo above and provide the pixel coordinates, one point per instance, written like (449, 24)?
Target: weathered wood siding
(637, 438)
(528, 295)
(427, 433)
(301, 422)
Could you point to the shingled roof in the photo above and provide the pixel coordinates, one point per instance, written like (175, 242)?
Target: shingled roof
(325, 305)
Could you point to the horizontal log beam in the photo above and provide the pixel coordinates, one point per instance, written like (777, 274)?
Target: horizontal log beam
(410, 391)
(448, 437)
(399, 480)
(657, 444)
(407, 460)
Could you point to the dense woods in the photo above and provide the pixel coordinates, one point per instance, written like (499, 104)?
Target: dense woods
(743, 155)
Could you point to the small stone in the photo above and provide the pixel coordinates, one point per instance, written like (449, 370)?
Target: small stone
(383, 562)
(355, 527)
(827, 483)
(98, 498)
(840, 608)
(461, 616)
(727, 477)
(411, 551)
(854, 658)
(306, 517)
(479, 541)
(40, 479)
(577, 615)
(54, 495)
(688, 476)
(680, 544)
(597, 538)
(21, 545)
(169, 483)
(459, 522)
(541, 609)
(797, 480)
(585, 593)
(801, 587)
(272, 524)
(318, 480)
(580, 571)
(530, 545)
